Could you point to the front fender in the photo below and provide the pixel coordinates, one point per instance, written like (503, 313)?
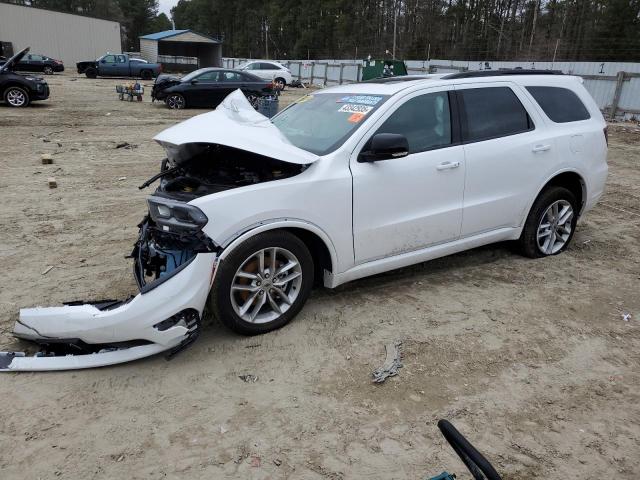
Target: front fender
(275, 224)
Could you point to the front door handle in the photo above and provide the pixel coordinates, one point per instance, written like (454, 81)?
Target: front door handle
(541, 148)
(448, 165)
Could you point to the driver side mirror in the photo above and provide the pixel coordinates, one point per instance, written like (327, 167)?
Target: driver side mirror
(385, 146)
(193, 82)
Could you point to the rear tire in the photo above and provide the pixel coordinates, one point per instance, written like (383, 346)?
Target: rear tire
(279, 289)
(146, 75)
(551, 223)
(16, 97)
(91, 72)
(48, 70)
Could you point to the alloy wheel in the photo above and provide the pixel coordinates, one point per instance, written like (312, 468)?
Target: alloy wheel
(48, 70)
(16, 97)
(253, 100)
(554, 229)
(266, 285)
(175, 102)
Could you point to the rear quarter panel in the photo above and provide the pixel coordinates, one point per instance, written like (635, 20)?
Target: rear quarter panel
(580, 146)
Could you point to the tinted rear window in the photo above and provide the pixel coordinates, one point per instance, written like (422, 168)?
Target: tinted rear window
(560, 104)
(492, 112)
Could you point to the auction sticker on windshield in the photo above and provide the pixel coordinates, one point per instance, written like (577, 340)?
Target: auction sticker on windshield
(361, 99)
(354, 108)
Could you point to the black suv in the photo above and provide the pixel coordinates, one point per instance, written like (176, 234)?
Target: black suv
(20, 90)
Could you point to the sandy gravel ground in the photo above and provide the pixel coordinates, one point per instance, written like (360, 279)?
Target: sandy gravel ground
(532, 359)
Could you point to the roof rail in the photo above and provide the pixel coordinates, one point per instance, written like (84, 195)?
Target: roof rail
(399, 78)
(502, 72)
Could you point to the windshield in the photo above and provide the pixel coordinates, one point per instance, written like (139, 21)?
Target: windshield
(321, 123)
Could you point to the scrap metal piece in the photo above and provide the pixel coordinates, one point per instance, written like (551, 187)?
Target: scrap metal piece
(392, 363)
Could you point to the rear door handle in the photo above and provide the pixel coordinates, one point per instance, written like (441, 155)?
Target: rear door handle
(448, 165)
(541, 148)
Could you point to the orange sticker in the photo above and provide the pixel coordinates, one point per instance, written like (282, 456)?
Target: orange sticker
(355, 117)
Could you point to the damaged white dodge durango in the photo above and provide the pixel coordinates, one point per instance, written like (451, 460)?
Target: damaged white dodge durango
(347, 182)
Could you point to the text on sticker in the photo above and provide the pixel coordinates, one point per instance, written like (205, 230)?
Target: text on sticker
(353, 108)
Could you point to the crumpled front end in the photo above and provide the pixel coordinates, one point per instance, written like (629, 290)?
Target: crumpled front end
(174, 270)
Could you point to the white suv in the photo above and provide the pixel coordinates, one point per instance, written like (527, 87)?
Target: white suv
(347, 182)
(269, 70)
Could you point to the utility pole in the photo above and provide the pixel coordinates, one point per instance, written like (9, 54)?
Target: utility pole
(555, 51)
(266, 38)
(395, 25)
(533, 24)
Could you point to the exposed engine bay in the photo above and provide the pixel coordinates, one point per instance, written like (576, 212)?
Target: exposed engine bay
(214, 168)
(171, 236)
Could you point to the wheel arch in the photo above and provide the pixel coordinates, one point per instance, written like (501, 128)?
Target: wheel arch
(317, 241)
(572, 181)
(15, 83)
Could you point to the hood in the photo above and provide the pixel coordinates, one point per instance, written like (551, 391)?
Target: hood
(166, 78)
(235, 123)
(10, 63)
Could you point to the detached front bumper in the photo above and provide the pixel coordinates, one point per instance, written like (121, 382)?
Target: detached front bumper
(164, 317)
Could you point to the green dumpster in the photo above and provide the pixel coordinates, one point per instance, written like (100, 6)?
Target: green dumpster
(383, 68)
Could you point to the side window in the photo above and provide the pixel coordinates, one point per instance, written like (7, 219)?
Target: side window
(121, 59)
(36, 58)
(230, 77)
(268, 66)
(208, 77)
(109, 59)
(491, 112)
(424, 120)
(560, 104)
(253, 66)
(248, 78)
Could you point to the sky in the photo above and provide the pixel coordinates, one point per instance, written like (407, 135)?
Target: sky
(166, 5)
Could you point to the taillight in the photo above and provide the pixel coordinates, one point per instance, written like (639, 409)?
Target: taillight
(605, 130)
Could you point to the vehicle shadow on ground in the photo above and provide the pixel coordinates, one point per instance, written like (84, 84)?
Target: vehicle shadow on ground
(30, 106)
(432, 270)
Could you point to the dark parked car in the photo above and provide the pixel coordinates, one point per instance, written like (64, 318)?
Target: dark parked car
(20, 90)
(39, 63)
(119, 65)
(207, 87)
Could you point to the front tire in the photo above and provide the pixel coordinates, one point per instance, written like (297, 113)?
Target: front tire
(146, 75)
(263, 284)
(175, 101)
(551, 223)
(91, 72)
(16, 97)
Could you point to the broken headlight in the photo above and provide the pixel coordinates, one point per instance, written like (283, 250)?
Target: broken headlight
(173, 216)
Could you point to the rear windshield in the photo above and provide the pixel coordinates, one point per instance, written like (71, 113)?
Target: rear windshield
(560, 104)
(321, 123)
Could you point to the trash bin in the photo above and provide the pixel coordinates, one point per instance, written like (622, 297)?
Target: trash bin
(268, 106)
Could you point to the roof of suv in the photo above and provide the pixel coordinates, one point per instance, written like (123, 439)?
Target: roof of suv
(393, 85)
